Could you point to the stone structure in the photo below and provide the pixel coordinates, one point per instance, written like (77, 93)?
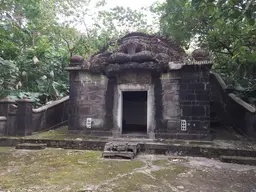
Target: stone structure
(18, 118)
(145, 87)
(121, 149)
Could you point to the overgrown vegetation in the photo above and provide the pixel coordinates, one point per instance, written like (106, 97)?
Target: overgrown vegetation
(38, 37)
(226, 28)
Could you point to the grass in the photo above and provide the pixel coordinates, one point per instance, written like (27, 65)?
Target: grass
(55, 169)
(52, 170)
(61, 133)
(162, 162)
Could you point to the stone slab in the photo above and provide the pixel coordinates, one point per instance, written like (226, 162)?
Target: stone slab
(111, 154)
(238, 160)
(33, 146)
(121, 149)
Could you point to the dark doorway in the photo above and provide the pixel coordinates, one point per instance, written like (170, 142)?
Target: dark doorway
(134, 112)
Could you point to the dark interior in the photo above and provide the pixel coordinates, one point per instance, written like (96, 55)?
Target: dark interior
(135, 112)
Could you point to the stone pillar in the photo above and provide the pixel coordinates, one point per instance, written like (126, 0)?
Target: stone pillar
(5, 105)
(195, 99)
(87, 100)
(6, 123)
(3, 125)
(171, 105)
(24, 117)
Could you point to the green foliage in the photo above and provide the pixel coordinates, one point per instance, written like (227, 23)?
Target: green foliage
(227, 28)
(38, 37)
(8, 75)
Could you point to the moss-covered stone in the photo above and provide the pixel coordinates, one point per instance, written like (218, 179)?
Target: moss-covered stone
(61, 133)
(55, 169)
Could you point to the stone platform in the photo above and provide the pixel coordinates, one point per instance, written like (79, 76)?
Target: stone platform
(121, 149)
(32, 146)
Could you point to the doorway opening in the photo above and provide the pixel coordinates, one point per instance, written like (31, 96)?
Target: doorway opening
(134, 112)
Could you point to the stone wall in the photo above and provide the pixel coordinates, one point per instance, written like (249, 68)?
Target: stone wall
(8, 109)
(171, 102)
(186, 97)
(50, 116)
(21, 119)
(195, 98)
(2, 125)
(87, 100)
(230, 109)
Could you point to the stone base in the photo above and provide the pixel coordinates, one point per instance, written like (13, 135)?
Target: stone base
(32, 146)
(185, 136)
(238, 160)
(121, 149)
(111, 154)
(97, 133)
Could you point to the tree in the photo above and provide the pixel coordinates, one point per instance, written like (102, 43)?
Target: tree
(38, 37)
(227, 28)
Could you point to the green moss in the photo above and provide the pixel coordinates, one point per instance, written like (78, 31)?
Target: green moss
(162, 162)
(178, 159)
(61, 133)
(59, 168)
(133, 182)
(170, 172)
(145, 182)
(6, 149)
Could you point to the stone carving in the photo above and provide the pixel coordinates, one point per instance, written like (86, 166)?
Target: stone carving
(201, 55)
(137, 51)
(121, 149)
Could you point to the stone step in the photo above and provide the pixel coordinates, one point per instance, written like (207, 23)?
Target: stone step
(238, 160)
(32, 146)
(121, 150)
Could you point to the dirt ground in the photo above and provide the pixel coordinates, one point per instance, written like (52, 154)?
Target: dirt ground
(54, 170)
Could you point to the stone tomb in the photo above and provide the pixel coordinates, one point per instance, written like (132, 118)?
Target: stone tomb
(146, 87)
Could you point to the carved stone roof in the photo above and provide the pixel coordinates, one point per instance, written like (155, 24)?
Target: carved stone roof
(137, 51)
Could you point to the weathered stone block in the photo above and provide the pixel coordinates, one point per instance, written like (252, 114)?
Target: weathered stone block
(173, 125)
(193, 111)
(3, 125)
(171, 109)
(202, 95)
(196, 86)
(187, 96)
(171, 97)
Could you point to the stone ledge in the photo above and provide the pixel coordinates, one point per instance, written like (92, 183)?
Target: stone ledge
(2, 118)
(186, 136)
(33, 146)
(7, 100)
(241, 102)
(238, 160)
(199, 149)
(92, 132)
(54, 103)
(220, 80)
